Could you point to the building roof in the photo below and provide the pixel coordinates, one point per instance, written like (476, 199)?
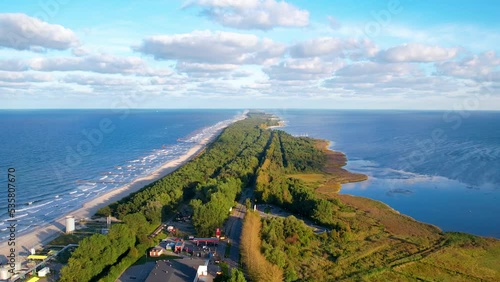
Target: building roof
(40, 257)
(212, 239)
(173, 271)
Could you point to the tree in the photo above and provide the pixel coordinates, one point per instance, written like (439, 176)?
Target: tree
(237, 276)
(248, 204)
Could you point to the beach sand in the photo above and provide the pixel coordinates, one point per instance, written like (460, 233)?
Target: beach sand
(46, 233)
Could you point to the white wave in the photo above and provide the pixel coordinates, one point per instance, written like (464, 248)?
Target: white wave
(20, 216)
(98, 190)
(35, 206)
(85, 187)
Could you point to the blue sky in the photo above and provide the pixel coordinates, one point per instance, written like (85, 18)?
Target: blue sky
(394, 54)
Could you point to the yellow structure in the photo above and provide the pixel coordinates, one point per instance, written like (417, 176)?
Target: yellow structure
(33, 279)
(39, 257)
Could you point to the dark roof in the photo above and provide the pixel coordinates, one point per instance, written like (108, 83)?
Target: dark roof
(173, 271)
(212, 239)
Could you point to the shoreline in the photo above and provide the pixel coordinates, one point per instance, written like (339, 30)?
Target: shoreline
(41, 235)
(280, 124)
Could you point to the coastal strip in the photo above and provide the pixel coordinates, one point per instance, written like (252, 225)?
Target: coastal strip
(41, 235)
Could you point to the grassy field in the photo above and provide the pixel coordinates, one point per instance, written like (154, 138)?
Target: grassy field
(388, 246)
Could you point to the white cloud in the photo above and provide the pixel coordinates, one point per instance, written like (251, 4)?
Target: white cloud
(416, 52)
(395, 85)
(201, 67)
(482, 67)
(13, 65)
(96, 80)
(80, 51)
(372, 68)
(101, 63)
(331, 46)
(7, 76)
(253, 14)
(302, 69)
(21, 32)
(372, 78)
(212, 47)
(96, 63)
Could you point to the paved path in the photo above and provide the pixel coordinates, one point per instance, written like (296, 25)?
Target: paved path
(233, 228)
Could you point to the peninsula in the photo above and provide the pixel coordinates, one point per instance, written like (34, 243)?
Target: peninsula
(299, 229)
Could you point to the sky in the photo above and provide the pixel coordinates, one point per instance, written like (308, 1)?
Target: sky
(335, 54)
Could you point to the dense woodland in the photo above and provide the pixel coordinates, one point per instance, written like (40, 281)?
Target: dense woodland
(287, 155)
(213, 180)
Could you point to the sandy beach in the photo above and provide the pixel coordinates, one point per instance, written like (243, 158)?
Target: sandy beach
(44, 234)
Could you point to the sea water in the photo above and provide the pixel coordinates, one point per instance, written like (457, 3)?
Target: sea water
(64, 158)
(441, 168)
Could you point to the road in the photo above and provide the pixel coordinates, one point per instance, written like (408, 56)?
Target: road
(233, 228)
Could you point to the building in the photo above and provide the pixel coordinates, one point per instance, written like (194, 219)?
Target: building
(43, 272)
(206, 241)
(179, 245)
(179, 270)
(70, 224)
(156, 251)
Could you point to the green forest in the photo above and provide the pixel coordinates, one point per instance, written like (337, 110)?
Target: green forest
(211, 182)
(358, 240)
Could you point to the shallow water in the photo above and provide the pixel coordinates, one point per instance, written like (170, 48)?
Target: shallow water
(452, 182)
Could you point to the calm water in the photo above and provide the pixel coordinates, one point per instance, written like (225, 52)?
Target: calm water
(64, 158)
(437, 167)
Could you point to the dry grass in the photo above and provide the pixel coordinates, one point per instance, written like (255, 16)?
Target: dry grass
(310, 177)
(393, 221)
(407, 250)
(329, 188)
(258, 267)
(475, 261)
